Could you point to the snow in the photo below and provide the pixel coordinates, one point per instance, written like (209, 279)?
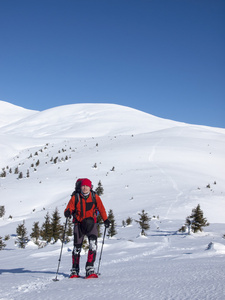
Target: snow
(161, 166)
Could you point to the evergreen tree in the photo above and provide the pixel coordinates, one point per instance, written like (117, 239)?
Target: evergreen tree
(7, 237)
(99, 224)
(3, 174)
(2, 211)
(46, 229)
(35, 234)
(2, 244)
(183, 228)
(22, 238)
(196, 220)
(55, 225)
(129, 220)
(85, 244)
(69, 230)
(143, 222)
(112, 228)
(20, 176)
(99, 190)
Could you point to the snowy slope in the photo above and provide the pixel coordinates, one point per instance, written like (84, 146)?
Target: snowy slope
(160, 165)
(87, 120)
(70, 121)
(10, 113)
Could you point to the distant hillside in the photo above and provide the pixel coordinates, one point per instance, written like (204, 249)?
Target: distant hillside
(10, 113)
(80, 120)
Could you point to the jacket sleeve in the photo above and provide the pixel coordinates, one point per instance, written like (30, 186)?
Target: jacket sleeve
(101, 208)
(71, 205)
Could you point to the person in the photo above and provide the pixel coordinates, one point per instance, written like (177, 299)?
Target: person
(85, 223)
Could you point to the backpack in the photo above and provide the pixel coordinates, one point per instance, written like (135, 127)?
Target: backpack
(77, 192)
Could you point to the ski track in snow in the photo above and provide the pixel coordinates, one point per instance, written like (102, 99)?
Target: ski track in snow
(17, 291)
(158, 269)
(143, 254)
(179, 193)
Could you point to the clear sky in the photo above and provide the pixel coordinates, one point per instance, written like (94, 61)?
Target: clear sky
(164, 57)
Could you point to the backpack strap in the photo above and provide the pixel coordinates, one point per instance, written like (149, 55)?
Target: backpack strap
(93, 198)
(77, 199)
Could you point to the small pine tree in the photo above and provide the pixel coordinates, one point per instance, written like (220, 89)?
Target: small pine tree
(196, 220)
(35, 234)
(55, 225)
(183, 229)
(99, 190)
(46, 229)
(99, 224)
(3, 174)
(143, 222)
(69, 230)
(129, 220)
(7, 237)
(22, 238)
(85, 244)
(2, 244)
(20, 176)
(2, 211)
(112, 228)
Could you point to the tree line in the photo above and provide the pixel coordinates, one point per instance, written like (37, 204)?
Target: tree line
(52, 230)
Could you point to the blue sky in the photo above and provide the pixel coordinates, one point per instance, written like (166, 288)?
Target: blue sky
(164, 57)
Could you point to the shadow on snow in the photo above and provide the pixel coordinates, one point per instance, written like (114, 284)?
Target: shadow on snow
(23, 271)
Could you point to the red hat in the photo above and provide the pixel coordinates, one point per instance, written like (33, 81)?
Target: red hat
(86, 182)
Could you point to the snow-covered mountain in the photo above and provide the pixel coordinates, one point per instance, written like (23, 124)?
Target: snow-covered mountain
(144, 162)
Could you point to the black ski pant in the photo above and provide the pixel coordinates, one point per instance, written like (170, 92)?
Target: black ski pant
(78, 241)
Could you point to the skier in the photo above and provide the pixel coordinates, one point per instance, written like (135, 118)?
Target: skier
(82, 206)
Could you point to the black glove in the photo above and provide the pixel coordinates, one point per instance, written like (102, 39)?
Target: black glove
(67, 213)
(107, 223)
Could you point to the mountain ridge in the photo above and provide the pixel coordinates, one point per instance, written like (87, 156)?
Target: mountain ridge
(77, 120)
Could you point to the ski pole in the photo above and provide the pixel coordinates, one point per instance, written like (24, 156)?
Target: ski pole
(101, 251)
(64, 233)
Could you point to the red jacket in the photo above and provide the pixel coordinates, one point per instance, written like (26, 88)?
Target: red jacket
(88, 207)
